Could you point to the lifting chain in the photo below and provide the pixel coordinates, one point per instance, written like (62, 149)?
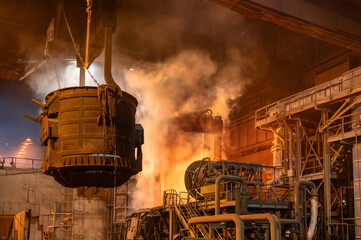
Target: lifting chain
(76, 48)
(89, 4)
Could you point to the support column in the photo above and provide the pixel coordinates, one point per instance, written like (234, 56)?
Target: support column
(356, 159)
(277, 152)
(217, 149)
(326, 177)
(81, 77)
(171, 224)
(299, 169)
(218, 139)
(298, 151)
(291, 175)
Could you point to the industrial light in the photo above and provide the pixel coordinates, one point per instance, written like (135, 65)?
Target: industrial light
(131, 69)
(28, 139)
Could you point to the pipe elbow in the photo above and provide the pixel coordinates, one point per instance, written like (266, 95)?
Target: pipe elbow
(314, 206)
(314, 214)
(108, 60)
(222, 218)
(221, 178)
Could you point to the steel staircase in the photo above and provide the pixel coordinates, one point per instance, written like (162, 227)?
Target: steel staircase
(184, 209)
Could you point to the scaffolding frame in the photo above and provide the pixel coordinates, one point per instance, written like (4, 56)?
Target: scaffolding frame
(317, 141)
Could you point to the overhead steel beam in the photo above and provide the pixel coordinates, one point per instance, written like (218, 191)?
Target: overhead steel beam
(305, 17)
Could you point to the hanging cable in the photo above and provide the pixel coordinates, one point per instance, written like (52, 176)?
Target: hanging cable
(87, 45)
(57, 75)
(76, 48)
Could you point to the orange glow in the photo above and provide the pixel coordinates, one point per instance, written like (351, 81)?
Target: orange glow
(168, 151)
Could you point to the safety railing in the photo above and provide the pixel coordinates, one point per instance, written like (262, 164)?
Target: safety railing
(340, 231)
(172, 199)
(348, 84)
(194, 203)
(60, 220)
(17, 162)
(186, 206)
(259, 192)
(346, 126)
(312, 166)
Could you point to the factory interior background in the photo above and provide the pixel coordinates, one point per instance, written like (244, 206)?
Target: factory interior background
(169, 119)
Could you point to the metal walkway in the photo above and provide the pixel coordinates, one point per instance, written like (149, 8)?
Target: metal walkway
(342, 87)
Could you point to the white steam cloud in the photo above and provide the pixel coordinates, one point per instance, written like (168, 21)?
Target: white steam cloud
(60, 74)
(190, 81)
(186, 82)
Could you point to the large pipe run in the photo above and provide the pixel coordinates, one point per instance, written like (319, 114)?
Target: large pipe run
(314, 206)
(313, 221)
(241, 204)
(275, 233)
(222, 218)
(108, 59)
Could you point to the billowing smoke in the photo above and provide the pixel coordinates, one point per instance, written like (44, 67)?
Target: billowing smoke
(174, 57)
(60, 74)
(190, 56)
(186, 82)
(189, 81)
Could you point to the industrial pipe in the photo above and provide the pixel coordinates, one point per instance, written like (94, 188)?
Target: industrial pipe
(108, 59)
(275, 232)
(239, 202)
(314, 206)
(289, 221)
(222, 218)
(313, 221)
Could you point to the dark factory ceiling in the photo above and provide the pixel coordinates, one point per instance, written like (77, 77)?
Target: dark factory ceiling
(274, 56)
(336, 21)
(151, 31)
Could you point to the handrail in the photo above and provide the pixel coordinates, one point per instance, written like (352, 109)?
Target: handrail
(312, 93)
(16, 161)
(222, 218)
(177, 203)
(314, 206)
(108, 59)
(241, 204)
(184, 221)
(273, 221)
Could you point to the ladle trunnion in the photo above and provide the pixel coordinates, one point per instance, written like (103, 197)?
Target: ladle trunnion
(89, 136)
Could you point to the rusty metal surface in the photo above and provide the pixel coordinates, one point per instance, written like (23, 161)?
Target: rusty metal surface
(201, 122)
(244, 139)
(308, 19)
(6, 222)
(89, 135)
